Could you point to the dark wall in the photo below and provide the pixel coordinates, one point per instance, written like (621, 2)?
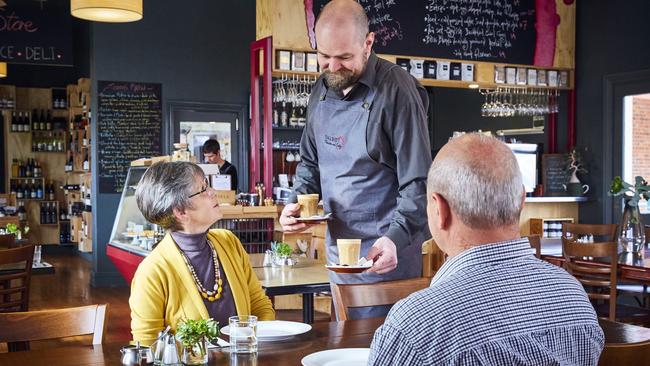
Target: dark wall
(198, 50)
(611, 38)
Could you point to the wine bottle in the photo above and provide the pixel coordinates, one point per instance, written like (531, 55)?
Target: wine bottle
(14, 122)
(34, 120)
(48, 121)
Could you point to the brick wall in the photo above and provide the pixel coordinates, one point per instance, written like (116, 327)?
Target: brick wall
(641, 137)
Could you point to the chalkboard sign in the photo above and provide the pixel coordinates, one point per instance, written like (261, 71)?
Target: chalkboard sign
(554, 174)
(36, 32)
(487, 30)
(129, 127)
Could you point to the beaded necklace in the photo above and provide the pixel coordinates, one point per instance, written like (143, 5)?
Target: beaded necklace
(215, 294)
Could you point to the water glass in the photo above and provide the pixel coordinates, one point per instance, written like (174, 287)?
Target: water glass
(243, 334)
(37, 254)
(243, 359)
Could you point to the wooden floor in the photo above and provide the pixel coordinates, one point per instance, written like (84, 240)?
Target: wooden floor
(70, 286)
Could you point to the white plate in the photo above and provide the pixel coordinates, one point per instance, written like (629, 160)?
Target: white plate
(338, 357)
(275, 330)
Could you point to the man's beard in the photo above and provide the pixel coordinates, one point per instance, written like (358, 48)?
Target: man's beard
(340, 80)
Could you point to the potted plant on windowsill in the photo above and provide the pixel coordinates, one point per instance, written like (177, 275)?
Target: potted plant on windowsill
(195, 335)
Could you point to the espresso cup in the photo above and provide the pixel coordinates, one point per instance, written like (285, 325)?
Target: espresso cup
(308, 205)
(349, 251)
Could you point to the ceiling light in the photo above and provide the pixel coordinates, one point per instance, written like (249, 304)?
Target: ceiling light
(111, 11)
(473, 86)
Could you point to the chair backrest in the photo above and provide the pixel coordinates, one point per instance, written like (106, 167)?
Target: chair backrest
(14, 283)
(432, 258)
(52, 324)
(536, 244)
(608, 231)
(594, 276)
(373, 294)
(7, 241)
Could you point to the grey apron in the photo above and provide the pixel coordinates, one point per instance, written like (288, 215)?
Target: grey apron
(360, 193)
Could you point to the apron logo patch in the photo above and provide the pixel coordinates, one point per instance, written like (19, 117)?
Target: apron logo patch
(337, 141)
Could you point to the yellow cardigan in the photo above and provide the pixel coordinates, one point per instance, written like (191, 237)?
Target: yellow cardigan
(164, 293)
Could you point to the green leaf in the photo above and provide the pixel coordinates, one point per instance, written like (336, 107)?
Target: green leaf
(190, 331)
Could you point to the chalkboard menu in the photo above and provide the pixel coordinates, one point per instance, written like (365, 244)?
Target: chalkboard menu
(36, 32)
(554, 174)
(486, 30)
(129, 127)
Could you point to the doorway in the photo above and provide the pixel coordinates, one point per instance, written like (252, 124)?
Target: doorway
(196, 122)
(619, 135)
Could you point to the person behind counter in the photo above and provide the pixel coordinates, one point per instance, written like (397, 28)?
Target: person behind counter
(194, 272)
(212, 155)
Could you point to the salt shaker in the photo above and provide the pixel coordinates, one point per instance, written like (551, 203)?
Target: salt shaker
(268, 258)
(170, 353)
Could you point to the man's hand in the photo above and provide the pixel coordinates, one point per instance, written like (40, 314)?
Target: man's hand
(288, 219)
(384, 255)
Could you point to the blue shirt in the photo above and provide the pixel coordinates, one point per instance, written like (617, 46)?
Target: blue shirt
(493, 304)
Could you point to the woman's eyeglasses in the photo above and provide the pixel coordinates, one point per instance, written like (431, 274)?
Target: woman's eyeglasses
(205, 188)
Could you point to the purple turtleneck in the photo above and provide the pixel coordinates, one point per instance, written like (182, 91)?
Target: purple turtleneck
(199, 253)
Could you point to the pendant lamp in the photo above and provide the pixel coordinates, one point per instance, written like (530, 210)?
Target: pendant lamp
(3, 69)
(111, 11)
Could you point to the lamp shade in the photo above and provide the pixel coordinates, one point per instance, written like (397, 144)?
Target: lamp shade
(111, 11)
(3, 69)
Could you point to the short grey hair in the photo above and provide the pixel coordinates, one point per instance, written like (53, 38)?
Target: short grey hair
(166, 186)
(480, 179)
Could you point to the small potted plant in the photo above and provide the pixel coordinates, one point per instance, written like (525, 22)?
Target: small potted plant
(194, 335)
(15, 230)
(282, 254)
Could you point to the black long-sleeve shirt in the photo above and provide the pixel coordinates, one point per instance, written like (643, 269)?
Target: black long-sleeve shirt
(396, 136)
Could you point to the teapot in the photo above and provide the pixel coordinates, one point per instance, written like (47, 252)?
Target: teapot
(136, 355)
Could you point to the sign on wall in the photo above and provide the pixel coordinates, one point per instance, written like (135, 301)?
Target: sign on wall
(129, 123)
(36, 32)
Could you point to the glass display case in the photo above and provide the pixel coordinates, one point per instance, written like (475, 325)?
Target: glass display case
(131, 231)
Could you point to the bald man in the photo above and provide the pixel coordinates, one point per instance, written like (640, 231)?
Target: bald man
(492, 302)
(365, 150)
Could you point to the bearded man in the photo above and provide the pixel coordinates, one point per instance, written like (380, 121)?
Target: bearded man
(366, 151)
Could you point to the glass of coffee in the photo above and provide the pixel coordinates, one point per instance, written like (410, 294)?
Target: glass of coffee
(349, 251)
(308, 205)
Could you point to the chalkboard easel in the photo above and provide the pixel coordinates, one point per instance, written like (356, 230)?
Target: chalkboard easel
(554, 174)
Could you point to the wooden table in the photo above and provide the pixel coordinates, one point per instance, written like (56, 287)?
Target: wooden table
(323, 336)
(631, 267)
(308, 277)
(37, 269)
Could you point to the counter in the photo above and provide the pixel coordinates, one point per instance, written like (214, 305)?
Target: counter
(548, 208)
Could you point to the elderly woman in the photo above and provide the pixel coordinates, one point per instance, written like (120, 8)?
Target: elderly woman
(194, 272)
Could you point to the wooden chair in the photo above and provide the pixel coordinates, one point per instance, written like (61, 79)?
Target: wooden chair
(373, 294)
(594, 277)
(51, 324)
(600, 281)
(14, 285)
(536, 244)
(634, 354)
(608, 231)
